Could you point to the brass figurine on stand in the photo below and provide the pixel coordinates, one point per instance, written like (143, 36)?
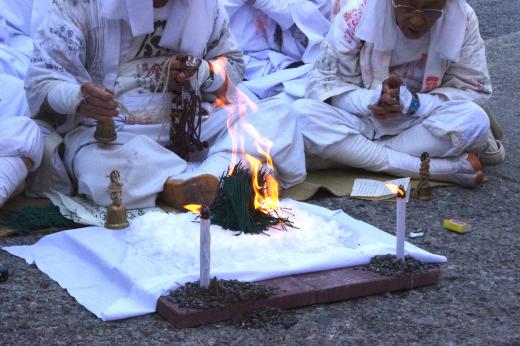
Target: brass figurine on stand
(424, 191)
(105, 131)
(116, 212)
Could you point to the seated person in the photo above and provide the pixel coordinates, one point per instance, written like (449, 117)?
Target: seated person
(126, 61)
(21, 143)
(21, 150)
(398, 78)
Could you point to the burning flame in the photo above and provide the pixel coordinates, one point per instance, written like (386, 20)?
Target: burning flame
(399, 191)
(194, 208)
(266, 196)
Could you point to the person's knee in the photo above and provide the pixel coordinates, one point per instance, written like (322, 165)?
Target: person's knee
(480, 119)
(463, 122)
(477, 125)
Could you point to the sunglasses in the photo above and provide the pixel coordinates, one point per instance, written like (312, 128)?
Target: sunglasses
(428, 13)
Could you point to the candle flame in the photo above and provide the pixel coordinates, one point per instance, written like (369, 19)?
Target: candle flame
(194, 208)
(399, 191)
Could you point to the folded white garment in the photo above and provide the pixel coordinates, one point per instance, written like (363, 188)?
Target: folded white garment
(24, 15)
(121, 274)
(274, 34)
(272, 84)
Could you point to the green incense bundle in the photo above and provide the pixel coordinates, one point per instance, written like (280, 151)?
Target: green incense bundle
(234, 205)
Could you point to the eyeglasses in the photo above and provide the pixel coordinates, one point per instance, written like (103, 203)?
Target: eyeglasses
(428, 13)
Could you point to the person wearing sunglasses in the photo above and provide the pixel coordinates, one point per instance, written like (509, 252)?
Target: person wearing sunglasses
(394, 79)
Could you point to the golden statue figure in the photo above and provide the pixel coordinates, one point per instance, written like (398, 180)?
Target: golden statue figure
(116, 212)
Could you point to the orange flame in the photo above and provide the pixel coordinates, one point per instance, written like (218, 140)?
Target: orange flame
(266, 196)
(194, 208)
(399, 191)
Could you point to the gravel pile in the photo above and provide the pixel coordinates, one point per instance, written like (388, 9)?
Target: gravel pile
(389, 265)
(477, 301)
(221, 293)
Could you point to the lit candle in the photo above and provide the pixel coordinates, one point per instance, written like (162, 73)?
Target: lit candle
(205, 248)
(400, 221)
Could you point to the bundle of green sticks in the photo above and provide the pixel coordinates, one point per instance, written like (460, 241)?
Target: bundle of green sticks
(234, 205)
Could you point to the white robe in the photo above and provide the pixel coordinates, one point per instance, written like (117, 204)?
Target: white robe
(274, 35)
(76, 45)
(21, 137)
(448, 123)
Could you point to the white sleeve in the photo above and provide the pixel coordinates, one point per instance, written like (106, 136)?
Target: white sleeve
(357, 101)
(428, 102)
(65, 98)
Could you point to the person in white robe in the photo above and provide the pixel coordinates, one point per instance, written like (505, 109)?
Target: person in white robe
(102, 59)
(398, 78)
(21, 142)
(280, 40)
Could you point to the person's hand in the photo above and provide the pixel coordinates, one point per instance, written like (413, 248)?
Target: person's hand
(389, 103)
(98, 103)
(183, 67)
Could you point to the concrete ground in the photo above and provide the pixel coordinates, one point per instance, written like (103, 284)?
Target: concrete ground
(476, 302)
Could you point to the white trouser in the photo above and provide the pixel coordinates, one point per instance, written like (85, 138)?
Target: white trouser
(145, 164)
(332, 134)
(20, 138)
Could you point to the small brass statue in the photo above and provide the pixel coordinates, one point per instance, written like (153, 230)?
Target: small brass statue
(116, 212)
(105, 131)
(424, 191)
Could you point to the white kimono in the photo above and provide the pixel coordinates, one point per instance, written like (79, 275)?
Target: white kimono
(349, 73)
(77, 44)
(280, 40)
(20, 137)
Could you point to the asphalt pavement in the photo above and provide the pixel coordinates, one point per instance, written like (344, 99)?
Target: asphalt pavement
(477, 301)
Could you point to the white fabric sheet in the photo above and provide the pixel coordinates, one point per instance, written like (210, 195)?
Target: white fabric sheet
(121, 274)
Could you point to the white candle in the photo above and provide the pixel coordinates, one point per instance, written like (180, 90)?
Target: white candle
(205, 248)
(400, 221)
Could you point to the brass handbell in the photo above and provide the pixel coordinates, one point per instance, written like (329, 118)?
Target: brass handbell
(116, 212)
(116, 217)
(105, 131)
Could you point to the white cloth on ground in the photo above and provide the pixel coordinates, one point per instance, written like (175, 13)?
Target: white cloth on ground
(117, 275)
